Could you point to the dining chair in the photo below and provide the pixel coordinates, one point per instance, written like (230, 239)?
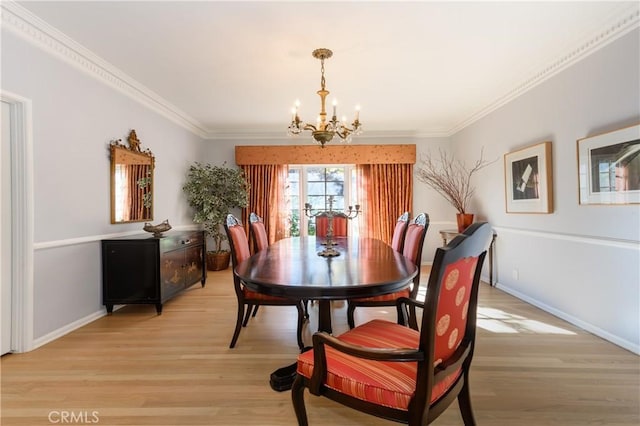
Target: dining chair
(340, 225)
(397, 239)
(257, 233)
(408, 374)
(247, 299)
(412, 249)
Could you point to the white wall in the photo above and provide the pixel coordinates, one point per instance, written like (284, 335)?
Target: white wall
(580, 262)
(75, 116)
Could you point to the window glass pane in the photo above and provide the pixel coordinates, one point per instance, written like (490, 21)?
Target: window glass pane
(335, 174)
(317, 202)
(335, 188)
(315, 174)
(338, 203)
(294, 223)
(315, 188)
(294, 202)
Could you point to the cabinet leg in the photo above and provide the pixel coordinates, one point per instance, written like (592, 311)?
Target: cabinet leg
(159, 308)
(109, 309)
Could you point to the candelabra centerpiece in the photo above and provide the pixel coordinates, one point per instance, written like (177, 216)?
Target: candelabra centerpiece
(351, 213)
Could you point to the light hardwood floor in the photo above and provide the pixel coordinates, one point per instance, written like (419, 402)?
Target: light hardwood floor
(137, 368)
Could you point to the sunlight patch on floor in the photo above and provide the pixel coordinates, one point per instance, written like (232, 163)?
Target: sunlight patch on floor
(499, 321)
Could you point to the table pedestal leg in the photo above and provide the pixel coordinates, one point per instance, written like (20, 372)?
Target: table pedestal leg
(324, 316)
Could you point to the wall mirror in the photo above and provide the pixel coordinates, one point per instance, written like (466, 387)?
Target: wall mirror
(131, 181)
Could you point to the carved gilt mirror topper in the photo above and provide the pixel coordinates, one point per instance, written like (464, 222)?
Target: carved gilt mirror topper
(131, 181)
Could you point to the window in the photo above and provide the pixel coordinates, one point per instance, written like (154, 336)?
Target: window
(314, 184)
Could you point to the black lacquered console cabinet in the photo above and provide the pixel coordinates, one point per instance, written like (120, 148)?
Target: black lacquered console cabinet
(151, 270)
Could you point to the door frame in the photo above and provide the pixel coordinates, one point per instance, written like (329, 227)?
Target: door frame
(22, 221)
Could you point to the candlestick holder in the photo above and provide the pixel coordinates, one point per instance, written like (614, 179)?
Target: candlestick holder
(351, 213)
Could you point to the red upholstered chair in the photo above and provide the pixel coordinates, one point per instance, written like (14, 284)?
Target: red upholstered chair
(397, 239)
(340, 223)
(401, 373)
(412, 249)
(247, 298)
(257, 233)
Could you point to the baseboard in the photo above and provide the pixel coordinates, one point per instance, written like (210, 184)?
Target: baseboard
(56, 334)
(630, 346)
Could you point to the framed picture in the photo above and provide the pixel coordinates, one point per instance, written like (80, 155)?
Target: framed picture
(528, 179)
(609, 167)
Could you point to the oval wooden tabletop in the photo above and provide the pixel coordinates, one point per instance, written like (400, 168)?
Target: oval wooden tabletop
(292, 267)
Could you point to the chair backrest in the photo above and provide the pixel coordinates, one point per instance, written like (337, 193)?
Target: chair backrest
(413, 244)
(397, 239)
(448, 326)
(238, 242)
(257, 232)
(340, 222)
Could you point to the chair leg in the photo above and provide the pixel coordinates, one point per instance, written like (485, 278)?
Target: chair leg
(255, 311)
(247, 314)
(300, 323)
(236, 333)
(350, 310)
(464, 402)
(305, 303)
(297, 397)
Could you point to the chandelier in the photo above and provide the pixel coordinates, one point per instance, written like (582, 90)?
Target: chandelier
(324, 130)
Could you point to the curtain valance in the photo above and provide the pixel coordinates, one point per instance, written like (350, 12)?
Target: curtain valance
(332, 154)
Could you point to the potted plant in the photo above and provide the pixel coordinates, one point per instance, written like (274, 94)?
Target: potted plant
(451, 178)
(212, 191)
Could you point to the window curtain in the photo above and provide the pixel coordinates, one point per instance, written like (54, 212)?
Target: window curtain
(386, 192)
(267, 198)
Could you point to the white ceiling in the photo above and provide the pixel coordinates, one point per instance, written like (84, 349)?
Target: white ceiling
(422, 68)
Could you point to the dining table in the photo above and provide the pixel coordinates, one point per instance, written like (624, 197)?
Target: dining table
(294, 268)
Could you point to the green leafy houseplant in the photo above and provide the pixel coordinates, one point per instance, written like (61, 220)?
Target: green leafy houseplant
(212, 191)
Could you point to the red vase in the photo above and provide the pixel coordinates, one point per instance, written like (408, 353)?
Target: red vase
(464, 220)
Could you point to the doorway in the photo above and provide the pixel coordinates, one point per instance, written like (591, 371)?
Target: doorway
(6, 287)
(16, 224)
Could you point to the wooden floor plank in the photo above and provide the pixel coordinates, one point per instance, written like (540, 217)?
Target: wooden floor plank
(138, 368)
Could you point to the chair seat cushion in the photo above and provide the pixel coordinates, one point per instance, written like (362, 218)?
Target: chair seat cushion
(391, 384)
(391, 297)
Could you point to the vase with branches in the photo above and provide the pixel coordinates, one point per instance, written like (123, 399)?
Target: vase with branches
(451, 178)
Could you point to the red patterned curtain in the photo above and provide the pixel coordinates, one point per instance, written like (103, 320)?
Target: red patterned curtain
(387, 192)
(267, 198)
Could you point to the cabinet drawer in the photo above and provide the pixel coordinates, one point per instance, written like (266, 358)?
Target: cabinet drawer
(181, 241)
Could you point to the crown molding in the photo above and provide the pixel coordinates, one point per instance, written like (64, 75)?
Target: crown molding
(26, 25)
(258, 135)
(623, 22)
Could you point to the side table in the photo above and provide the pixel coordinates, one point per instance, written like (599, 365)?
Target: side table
(449, 234)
